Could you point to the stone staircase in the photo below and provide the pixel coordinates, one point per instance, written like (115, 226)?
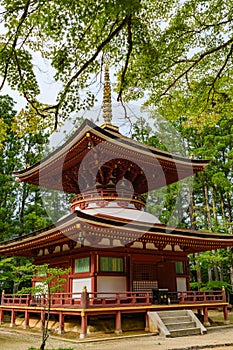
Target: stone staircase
(175, 323)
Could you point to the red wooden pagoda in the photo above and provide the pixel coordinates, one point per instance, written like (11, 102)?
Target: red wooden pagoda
(113, 246)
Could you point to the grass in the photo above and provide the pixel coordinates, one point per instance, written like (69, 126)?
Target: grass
(216, 317)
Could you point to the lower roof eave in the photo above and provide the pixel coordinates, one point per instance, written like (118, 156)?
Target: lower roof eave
(81, 227)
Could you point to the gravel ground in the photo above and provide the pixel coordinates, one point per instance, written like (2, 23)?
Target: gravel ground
(218, 338)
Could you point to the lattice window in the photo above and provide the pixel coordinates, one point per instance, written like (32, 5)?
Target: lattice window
(142, 272)
(144, 286)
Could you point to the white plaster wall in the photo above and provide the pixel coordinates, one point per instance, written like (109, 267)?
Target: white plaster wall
(79, 283)
(181, 284)
(111, 284)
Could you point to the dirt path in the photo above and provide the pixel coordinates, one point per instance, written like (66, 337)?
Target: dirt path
(12, 339)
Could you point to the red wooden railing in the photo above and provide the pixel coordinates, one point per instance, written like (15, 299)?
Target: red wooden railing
(120, 298)
(110, 299)
(104, 196)
(69, 299)
(202, 297)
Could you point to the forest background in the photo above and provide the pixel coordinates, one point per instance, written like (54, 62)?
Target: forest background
(175, 56)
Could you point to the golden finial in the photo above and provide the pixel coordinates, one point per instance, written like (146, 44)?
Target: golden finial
(107, 103)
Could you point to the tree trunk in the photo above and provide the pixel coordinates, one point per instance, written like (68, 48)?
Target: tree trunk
(193, 227)
(214, 204)
(229, 208)
(198, 270)
(223, 211)
(45, 327)
(208, 216)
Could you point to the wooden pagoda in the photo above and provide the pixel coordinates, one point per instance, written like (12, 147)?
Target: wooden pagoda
(118, 253)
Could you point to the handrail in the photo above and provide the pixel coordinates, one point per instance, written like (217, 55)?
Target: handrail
(93, 299)
(105, 196)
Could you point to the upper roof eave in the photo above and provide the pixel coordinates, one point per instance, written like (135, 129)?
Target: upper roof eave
(114, 136)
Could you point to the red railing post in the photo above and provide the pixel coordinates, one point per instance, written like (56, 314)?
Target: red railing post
(223, 294)
(2, 297)
(181, 297)
(84, 298)
(118, 298)
(28, 299)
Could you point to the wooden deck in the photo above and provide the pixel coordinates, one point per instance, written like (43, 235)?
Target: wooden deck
(87, 304)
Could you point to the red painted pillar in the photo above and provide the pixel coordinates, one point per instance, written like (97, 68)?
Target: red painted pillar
(94, 271)
(83, 325)
(225, 314)
(118, 329)
(206, 319)
(1, 316)
(61, 323)
(147, 327)
(26, 319)
(13, 316)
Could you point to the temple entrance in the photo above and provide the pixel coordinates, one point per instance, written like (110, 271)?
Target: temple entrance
(154, 276)
(144, 277)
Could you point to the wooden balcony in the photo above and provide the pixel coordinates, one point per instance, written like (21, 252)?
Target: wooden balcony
(118, 304)
(103, 197)
(106, 299)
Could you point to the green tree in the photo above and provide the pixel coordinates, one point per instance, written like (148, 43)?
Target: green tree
(51, 280)
(157, 48)
(21, 207)
(9, 158)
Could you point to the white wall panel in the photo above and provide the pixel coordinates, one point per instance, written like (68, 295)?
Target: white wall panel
(181, 284)
(111, 284)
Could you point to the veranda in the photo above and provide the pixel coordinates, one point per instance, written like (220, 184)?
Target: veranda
(84, 305)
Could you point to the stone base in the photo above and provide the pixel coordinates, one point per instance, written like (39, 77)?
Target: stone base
(226, 322)
(82, 336)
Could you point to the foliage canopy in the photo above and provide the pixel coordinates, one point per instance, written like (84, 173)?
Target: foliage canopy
(157, 47)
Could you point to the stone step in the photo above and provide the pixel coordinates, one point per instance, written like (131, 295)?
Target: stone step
(169, 319)
(175, 323)
(172, 313)
(183, 325)
(184, 332)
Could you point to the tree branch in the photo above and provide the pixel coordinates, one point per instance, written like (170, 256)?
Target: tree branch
(195, 62)
(218, 75)
(21, 21)
(111, 35)
(130, 47)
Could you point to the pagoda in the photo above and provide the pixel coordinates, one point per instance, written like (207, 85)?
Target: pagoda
(108, 240)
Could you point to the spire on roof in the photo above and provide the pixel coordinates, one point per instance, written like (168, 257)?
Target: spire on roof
(107, 103)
